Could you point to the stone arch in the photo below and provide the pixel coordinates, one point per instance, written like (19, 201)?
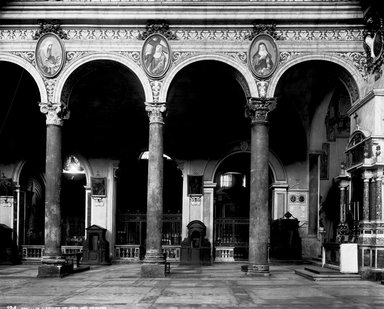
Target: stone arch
(31, 70)
(276, 166)
(130, 64)
(357, 79)
(243, 76)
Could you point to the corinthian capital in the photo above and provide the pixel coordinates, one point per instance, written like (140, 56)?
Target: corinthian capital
(155, 112)
(258, 108)
(55, 112)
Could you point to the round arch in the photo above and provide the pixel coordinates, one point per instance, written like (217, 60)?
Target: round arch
(242, 70)
(130, 64)
(19, 168)
(276, 166)
(353, 71)
(31, 70)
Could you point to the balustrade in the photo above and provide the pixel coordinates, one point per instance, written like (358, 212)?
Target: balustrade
(32, 252)
(224, 254)
(127, 252)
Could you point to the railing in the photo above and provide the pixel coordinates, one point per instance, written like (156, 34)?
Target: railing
(71, 249)
(172, 253)
(231, 232)
(32, 252)
(225, 254)
(127, 253)
(331, 254)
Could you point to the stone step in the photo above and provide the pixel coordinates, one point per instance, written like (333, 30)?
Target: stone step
(337, 276)
(320, 270)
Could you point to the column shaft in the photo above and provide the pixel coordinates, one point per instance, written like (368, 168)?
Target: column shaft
(314, 179)
(366, 199)
(155, 192)
(259, 211)
(372, 200)
(378, 198)
(53, 171)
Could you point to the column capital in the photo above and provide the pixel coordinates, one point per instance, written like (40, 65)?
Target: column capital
(55, 112)
(258, 108)
(155, 112)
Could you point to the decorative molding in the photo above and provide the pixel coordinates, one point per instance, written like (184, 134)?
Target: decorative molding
(358, 59)
(50, 85)
(238, 56)
(287, 56)
(269, 29)
(156, 87)
(133, 55)
(55, 113)
(29, 56)
(50, 26)
(230, 35)
(160, 27)
(155, 112)
(258, 108)
(179, 56)
(262, 87)
(72, 55)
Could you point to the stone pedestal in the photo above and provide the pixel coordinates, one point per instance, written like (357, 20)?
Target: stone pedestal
(54, 268)
(348, 258)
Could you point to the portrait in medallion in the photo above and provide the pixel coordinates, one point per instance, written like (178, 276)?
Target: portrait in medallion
(50, 55)
(263, 55)
(155, 55)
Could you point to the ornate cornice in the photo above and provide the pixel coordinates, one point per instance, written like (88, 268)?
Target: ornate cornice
(55, 112)
(257, 109)
(195, 34)
(160, 27)
(155, 112)
(50, 26)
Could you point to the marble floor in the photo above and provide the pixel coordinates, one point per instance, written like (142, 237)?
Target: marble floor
(217, 286)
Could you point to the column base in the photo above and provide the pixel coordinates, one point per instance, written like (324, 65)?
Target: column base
(257, 270)
(152, 271)
(54, 268)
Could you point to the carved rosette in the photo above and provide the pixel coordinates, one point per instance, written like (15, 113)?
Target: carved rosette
(155, 112)
(258, 108)
(55, 112)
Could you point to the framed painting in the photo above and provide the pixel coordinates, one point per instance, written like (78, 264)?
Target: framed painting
(156, 56)
(99, 186)
(263, 56)
(6, 186)
(195, 185)
(50, 55)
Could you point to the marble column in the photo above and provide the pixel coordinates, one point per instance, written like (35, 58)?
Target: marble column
(366, 197)
(379, 186)
(153, 265)
(257, 110)
(52, 263)
(342, 228)
(372, 200)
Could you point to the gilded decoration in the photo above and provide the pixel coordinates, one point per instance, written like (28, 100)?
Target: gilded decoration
(155, 112)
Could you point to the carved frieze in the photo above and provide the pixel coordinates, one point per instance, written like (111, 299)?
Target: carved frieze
(133, 55)
(72, 55)
(179, 56)
(202, 34)
(238, 56)
(156, 87)
(358, 60)
(29, 56)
